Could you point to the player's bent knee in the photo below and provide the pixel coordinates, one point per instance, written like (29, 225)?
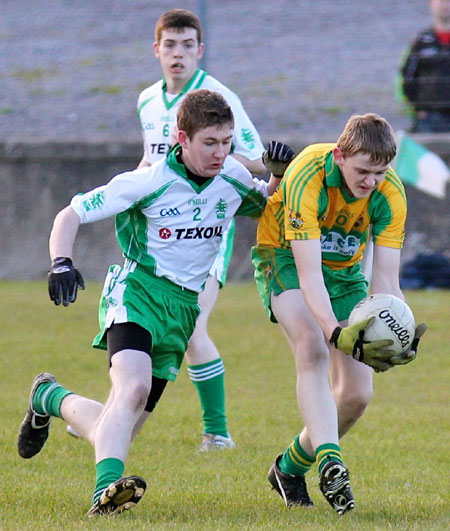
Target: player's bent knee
(135, 396)
(309, 355)
(354, 401)
(197, 342)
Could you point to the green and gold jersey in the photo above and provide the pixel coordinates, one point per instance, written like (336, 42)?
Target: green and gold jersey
(311, 203)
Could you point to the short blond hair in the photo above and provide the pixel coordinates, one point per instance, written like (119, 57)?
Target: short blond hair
(368, 133)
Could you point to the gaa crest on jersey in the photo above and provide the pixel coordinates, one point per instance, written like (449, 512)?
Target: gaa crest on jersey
(295, 219)
(169, 212)
(165, 233)
(221, 209)
(148, 126)
(359, 222)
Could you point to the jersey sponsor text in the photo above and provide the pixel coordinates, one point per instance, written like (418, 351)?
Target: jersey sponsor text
(194, 233)
(160, 149)
(333, 242)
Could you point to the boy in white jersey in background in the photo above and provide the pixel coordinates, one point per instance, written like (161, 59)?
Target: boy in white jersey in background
(178, 46)
(150, 305)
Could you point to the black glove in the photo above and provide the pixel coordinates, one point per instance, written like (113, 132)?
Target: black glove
(277, 158)
(63, 281)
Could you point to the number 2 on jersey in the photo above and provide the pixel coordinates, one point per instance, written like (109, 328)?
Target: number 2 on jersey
(197, 214)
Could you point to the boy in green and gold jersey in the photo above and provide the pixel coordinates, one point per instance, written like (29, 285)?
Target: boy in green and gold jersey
(311, 239)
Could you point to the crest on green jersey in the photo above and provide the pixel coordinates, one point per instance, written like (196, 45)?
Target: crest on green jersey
(221, 208)
(295, 219)
(95, 201)
(248, 138)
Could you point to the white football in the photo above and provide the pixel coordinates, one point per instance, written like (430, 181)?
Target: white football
(393, 320)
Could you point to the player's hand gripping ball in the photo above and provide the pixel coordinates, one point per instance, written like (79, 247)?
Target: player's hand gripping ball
(64, 281)
(353, 342)
(391, 319)
(409, 355)
(277, 158)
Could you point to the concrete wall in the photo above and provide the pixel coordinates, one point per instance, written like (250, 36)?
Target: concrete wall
(37, 179)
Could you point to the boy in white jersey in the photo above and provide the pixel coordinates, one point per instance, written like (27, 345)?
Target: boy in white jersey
(150, 305)
(178, 46)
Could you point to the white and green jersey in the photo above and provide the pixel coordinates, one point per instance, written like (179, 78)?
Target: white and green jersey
(167, 223)
(157, 113)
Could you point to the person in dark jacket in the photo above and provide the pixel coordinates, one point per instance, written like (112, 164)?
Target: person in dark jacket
(425, 73)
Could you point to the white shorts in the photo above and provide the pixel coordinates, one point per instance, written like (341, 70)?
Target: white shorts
(219, 269)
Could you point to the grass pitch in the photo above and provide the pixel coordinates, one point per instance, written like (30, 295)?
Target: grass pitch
(398, 453)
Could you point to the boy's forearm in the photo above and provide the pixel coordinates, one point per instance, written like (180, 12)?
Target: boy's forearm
(255, 167)
(63, 234)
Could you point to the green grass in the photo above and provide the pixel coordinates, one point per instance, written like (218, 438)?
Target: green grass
(398, 453)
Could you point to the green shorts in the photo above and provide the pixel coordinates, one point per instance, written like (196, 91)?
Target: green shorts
(167, 311)
(275, 272)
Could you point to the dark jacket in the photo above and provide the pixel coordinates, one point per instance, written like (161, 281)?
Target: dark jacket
(426, 73)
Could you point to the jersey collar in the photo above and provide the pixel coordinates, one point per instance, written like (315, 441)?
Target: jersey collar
(332, 172)
(333, 177)
(180, 169)
(193, 84)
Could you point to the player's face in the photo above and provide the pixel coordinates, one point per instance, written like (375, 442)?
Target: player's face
(361, 175)
(441, 10)
(205, 153)
(178, 53)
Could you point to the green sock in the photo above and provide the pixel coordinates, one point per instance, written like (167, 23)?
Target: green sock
(107, 471)
(328, 452)
(209, 381)
(48, 397)
(295, 460)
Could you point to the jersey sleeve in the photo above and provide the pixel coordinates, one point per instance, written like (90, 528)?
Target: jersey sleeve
(252, 191)
(142, 99)
(246, 140)
(388, 213)
(254, 199)
(301, 188)
(120, 194)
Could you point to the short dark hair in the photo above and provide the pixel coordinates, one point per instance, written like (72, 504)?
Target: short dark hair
(368, 133)
(178, 19)
(203, 108)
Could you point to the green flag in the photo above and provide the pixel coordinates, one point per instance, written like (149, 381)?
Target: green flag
(420, 167)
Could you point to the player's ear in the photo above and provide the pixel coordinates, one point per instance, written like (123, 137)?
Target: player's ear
(338, 156)
(156, 49)
(182, 138)
(201, 50)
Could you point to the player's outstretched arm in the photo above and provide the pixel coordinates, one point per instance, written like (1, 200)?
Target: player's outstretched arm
(386, 271)
(350, 340)
(277, 157)
(63, 279)
(255, 167)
